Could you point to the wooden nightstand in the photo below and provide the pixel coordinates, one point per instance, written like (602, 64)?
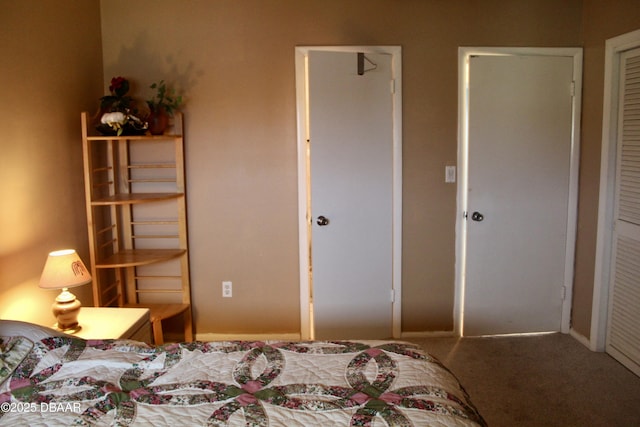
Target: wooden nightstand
(114, 323)
(104, 323)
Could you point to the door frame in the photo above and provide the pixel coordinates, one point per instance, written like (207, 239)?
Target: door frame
(304, 191)
(464, 54)
(608, 170)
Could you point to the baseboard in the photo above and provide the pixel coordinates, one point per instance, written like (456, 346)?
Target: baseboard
(580, 338)
(296, 336)
(248, 337)
(427, 334)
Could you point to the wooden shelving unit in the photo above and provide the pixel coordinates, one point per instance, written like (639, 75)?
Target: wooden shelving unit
(137, 225)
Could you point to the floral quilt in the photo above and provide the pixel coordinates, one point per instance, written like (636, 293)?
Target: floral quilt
(68, 381)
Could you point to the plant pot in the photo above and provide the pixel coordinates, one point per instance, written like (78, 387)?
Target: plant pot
(158, 122)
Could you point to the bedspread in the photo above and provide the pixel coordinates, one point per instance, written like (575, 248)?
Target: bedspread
(68, 381)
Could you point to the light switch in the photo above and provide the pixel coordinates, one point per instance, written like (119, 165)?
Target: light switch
(449, 174)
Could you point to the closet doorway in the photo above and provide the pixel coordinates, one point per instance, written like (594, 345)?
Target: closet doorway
(616, 293)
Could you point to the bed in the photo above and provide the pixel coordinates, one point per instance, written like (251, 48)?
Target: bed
(51, 379)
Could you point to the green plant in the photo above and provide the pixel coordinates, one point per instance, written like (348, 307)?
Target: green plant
(165, 99)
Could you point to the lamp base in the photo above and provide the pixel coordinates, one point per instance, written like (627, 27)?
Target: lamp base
(66, 309)
(69, 331)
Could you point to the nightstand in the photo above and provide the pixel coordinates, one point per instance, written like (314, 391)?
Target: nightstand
(114, 323)
(104, 323)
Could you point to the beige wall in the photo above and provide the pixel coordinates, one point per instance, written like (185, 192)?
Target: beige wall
(51, 68)
(234, 61)
(602, 20)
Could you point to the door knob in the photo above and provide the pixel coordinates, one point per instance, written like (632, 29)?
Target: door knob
(477, 216)
(322, 221)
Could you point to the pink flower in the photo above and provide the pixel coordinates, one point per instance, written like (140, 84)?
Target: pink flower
(360, 398)
(19, 383)
(373, 352)
(252, 386)
(138, 392)
(392, 398)
(110, 388)
(246, 399)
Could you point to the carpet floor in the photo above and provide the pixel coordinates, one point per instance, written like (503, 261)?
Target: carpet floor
(542, 380)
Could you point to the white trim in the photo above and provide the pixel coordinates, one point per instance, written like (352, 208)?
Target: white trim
(574, 178)
(428, 334)
(301, 52)
(599, 311)
(461, 198)
(579, 337)
(464, 53)
(630, 364)
(210, 336)
(306, 330)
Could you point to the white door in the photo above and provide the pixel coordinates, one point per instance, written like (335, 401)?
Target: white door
(351, 151)
(519, 152)
(623, 334)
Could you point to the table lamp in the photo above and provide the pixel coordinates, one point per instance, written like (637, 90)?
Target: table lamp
(63, 270)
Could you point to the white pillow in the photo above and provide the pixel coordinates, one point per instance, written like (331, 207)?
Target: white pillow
(15, 328)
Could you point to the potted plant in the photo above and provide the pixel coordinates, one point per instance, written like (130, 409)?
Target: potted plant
(161, 107)
(118, 115)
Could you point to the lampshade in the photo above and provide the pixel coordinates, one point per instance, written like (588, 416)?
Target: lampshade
(64, 269)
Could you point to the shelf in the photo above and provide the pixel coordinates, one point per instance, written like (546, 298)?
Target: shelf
(132, 137)
(133, 198)
(138, 257)
(173, 131)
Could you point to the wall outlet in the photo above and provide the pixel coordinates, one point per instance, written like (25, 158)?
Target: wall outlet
(449, 174)
(227, 289)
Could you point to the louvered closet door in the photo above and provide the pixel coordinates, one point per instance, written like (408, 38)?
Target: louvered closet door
(623, 338)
